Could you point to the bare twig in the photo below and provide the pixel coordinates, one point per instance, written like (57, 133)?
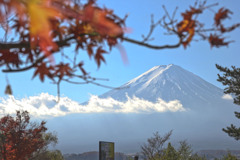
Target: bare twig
(151, 30)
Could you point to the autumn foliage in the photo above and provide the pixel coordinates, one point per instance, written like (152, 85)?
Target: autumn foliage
(189, 25)
(19, 138)
(37, 30)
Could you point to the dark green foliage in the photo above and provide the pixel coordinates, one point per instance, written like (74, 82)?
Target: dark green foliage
(233, 131)
(169, 153)
(231, 79)
(184, 150)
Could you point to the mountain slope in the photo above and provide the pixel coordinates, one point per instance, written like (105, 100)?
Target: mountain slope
(168, 82)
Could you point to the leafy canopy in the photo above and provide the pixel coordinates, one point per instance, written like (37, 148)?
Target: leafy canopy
(19, 138)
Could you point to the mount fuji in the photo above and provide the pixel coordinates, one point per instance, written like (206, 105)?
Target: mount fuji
(205, 113)
(169, 82)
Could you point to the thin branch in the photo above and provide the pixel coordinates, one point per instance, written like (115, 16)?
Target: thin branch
(210, 6)
(92, 82)
(105, 86)
(166, 12)
(72, 82)
(150, 31)
(228, 29)
(174, 13)
(152, 46)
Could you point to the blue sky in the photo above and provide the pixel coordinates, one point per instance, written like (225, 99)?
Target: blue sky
(199, 58)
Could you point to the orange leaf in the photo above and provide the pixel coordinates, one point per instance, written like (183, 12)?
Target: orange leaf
(187, 25)
(40, 13)
(100, 21)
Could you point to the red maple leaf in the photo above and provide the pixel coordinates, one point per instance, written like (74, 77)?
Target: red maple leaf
(99, 57)
(216, 41)
(8, 57)
(63, 70)
(43, 71)
(221, 15)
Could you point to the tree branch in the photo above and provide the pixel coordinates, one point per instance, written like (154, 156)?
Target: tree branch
(25, 68)
(152, 46)
(27, 45)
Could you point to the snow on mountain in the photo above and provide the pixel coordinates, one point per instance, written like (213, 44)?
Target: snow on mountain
(168, 82)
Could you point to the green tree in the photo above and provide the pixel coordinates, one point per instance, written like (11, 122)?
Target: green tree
(169, 153)
(231, 79)
(184, 150)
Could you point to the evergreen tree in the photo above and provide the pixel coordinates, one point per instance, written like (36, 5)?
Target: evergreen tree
(231, 79)
(169, 153)
(184, 150)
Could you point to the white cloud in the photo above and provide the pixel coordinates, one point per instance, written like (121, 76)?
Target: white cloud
(45, 105)
(227, 97)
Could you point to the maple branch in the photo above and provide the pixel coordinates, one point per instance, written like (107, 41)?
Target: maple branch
(228, 29)
(6, 46)
(60, 43)
(152, 46)
(27, 45)
(25, 68)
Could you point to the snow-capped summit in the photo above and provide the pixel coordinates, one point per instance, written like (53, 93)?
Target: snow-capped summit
(168, 82)
(149, 75)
